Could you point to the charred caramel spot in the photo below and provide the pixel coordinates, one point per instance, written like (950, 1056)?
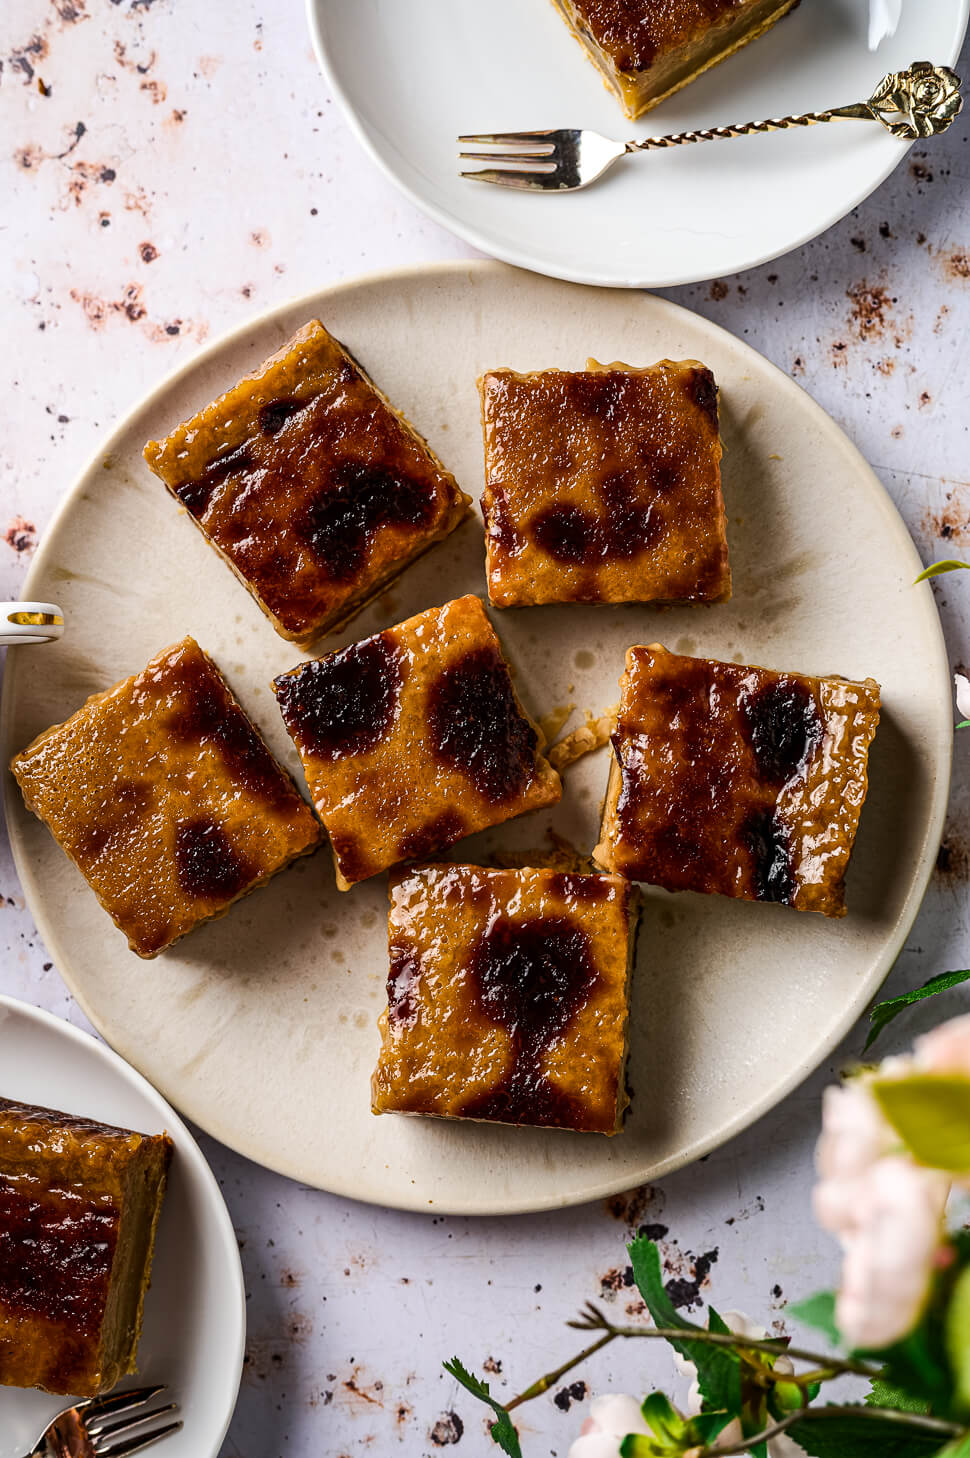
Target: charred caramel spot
(359, 501)
(402, 984)
(770, 847)
(531, 977)
(475, 727)
(274, 415)
(207, 864)
(344, 703)
(784, 728)
(196, 494)
(579, 537)
(56, 1251)
(205, 714)
(702, 390)
(579, 888)
(354, 862)
(600, 393)
(119, 814)
(443, 830)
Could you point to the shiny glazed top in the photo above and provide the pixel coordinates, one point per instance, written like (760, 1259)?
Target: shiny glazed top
(738, 780)
(604, 485)
(637, 33)
(166, 798)
(506, 997)
(308, 481)
(63, 1182)
(414, 738)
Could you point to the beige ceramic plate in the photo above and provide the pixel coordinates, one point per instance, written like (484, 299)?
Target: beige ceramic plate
(261, 1027)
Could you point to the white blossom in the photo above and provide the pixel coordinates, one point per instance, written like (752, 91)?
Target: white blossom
(884, 18)
(611, 1417)
(962, 686)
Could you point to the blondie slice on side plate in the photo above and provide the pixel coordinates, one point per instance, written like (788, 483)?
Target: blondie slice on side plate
(507, 997)
(166, 798)
(79, 1205)
(737, 780)
(414, 738)
(647, 49)
(310, 485)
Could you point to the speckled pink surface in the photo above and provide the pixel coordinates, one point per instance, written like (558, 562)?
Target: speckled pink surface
(167, 170)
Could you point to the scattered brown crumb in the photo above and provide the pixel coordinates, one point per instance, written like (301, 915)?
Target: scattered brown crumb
(591, 735)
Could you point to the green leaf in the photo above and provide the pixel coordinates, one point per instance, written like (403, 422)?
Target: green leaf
(635, 1445)
(884, 1012)
(718, 1368)
(844, 1435)
(963, 724)
(931, 1114)
(916, 1365)
(884, 1393)
(502, 1431)
(663, 1419)
(949, 564)
(957, 1339)
(959, 1448)
(818, 1312)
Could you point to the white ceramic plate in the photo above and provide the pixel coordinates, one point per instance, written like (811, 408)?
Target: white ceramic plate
(261, 1026)
(195, 1315)
(412, 77)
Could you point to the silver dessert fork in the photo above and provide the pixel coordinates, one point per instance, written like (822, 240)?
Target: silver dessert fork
(912, 104)
(107, 1427)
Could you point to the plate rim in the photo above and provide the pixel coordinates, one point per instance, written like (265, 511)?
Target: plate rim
(188, 1150)
(405, 1199)
(523, 257)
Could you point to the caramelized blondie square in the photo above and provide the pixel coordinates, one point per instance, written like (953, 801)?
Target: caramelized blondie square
(414, 738)
(603, 485)
(79, 1205)
(647, 49)
(737, 780)
(166, 798)
(309, 484)
(507, 997)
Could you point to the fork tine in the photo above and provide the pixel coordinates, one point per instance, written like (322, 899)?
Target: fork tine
(127, 1446)
(545, 154)
(508, 139)
(531, 181)
(119, 1401)
(123, 1422)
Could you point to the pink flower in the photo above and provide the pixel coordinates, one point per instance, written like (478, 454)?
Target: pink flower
(611, 1417)
(886, 1210)
(947, 1048)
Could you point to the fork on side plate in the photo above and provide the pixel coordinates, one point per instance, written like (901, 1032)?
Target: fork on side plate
(912, 104)
(108, 1427)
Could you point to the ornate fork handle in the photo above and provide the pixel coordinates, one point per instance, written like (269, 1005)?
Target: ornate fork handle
(919, 102)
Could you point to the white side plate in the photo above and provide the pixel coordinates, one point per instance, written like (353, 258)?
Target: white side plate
(412, 77)
(195, 1315)
(262, 1026)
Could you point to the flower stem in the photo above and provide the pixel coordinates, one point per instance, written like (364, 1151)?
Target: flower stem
(914, 1420)
(544, 1383)
(833, 1366)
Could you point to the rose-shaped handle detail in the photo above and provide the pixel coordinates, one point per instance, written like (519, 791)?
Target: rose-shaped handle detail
(917, 103)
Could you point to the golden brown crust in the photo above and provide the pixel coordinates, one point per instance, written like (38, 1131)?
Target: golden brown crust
(309, 484)
(414, 738)
(737, 780)
(604, 485)
(79, 1203)
(507, 997)
(648, 49)
(165, 797)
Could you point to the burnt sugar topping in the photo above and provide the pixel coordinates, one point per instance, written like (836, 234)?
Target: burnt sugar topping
(737, 780)
(344, 704)
(309, 483)
(603, 485)
(79, 1203)
(166, 798)
(647, 49)
(474, 725)
(507, 997)
(413, 738)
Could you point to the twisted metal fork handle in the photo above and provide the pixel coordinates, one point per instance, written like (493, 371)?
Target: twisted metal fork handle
(918, 102)
(747, 129)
